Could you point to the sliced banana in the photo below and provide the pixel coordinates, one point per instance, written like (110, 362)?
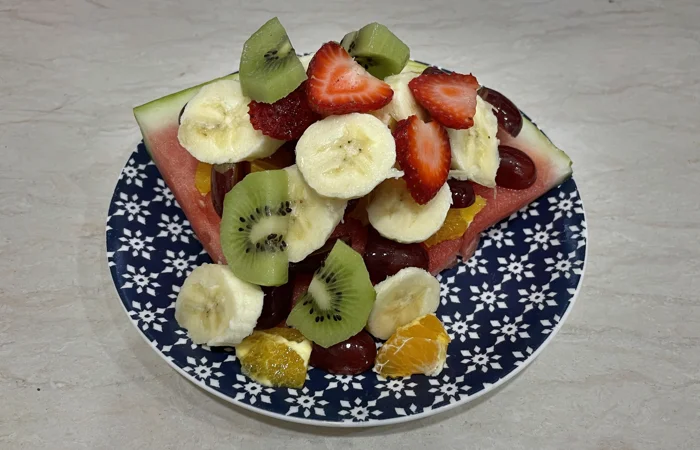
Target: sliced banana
(346, 156)
(215, 126)
(401, 298)
(475, 150)
(396, 216)
(216, 308)
(313, 217)
(402, 104)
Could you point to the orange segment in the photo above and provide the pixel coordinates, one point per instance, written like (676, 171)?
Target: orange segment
(456, 222)
(278, 357)
(202, 178)
(419, 347)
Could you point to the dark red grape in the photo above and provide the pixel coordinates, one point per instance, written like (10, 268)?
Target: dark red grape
(350, 357)
(276, 306)
(223, 178)
(508, 115)
(516, 170)
(462, 193)
(432, 70)
(384, 257)
(314, 260)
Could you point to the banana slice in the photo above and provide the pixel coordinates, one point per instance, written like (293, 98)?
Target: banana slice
(396, 216)
(313, 217)
(401, 298)
(402, 104)
(216, 308)
(215, 126)
(475, 150)
(346, 156)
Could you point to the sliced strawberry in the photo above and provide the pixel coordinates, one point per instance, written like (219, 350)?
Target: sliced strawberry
(287, 118)
(449, 98)
(339, 85)
(423, 153)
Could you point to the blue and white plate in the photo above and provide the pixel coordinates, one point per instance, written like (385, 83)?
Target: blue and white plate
(500, 308)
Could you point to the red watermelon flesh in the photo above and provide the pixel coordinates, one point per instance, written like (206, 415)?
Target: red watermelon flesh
(553, 167)
(158, 121)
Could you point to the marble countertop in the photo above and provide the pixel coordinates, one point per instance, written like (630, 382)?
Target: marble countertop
(614, 82)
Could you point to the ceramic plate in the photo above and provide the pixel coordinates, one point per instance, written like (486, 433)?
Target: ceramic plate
(500, 308)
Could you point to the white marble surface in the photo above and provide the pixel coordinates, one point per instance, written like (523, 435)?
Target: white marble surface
(614, 82)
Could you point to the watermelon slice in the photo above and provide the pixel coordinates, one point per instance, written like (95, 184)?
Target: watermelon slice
(553, 167)
(158, 121)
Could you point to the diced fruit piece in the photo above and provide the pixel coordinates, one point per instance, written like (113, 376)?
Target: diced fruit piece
(287, 118)
(339, 85)
(419, 347)
(354, 230)
(284, 157)
(350, 357)
(301, 285)
(216, 308)
(432, 70)
(384, 257)
(202, 178)
(423, 153)
(462, 193)
(449, 98)
(516, 170)
(223, 178)
(402, 298)
(475, 150)
(391, 204)
(346, 156)
(509, 117)
(216, 129)
(312, 217)
(276, 306)
(377, 49)
(338, 301)
(357, 210)
(312, 262)
(278, 357)
(254, 228)
(402, 105)
(270, 69)
(456, 223)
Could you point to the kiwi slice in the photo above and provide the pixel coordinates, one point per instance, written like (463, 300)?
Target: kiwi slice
(254, 224)
(270, 69)
(339, 299)
(377, 49)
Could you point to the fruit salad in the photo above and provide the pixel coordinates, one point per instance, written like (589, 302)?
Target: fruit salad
(330, 190)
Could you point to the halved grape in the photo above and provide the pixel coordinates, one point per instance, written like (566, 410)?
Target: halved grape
(508, 115)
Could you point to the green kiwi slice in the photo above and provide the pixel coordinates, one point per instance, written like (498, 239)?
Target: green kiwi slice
(270, 68)
(339, 299)
(377, 49)
(254, 224)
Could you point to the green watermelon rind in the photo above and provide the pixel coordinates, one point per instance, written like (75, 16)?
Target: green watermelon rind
(165, 111)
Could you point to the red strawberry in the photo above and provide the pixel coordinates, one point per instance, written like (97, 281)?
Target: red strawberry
(339, 85)
(449, 98)
(287, 118)
(423, 152)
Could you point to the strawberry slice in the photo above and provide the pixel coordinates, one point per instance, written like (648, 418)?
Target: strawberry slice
(449, 98)
(423, 152)
(339, 85)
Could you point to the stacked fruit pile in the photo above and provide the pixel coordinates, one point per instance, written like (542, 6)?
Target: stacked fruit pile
(342, 180)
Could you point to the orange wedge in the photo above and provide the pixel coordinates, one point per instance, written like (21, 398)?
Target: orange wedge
(419, 347)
